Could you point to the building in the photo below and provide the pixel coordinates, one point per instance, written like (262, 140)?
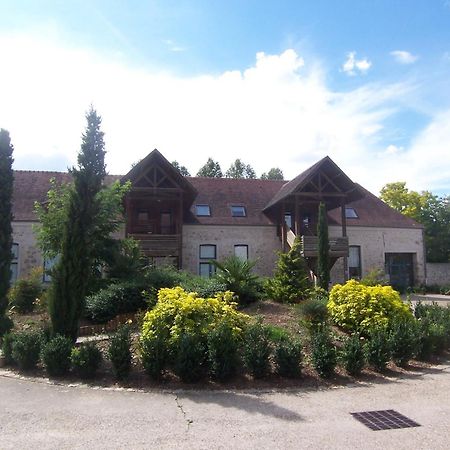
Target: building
(191, 221)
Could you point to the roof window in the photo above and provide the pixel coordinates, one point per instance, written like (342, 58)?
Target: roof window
(350, 213)
(202, 210)
(238, 211)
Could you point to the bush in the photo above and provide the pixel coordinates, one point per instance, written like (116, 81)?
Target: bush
(314, 310)
(55, 355)
(25, 349)
(223, 347)
(7, 342)
(288, 358)
(433, 338)
(238, 277)
(375, 277)
(158, 277)
(378, 348)
(178, 313)
(125, 297)
(276, 334)
(359, 308)
(23, 295)
(405, 341)
(323, 352)
(189, 357)
(119, 352)
(6, 325)
(291, 282)
(86, 360)
(353, 355)
(256, 349)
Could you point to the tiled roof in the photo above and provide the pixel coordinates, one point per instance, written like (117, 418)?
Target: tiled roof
(220, 194)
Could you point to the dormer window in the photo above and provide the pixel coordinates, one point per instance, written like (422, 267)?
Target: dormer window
(238, 211)
(202, 210)
(350, 213)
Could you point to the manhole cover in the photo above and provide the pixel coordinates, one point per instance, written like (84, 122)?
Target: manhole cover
(384, 420)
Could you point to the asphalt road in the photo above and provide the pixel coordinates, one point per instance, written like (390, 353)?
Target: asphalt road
(36, 414)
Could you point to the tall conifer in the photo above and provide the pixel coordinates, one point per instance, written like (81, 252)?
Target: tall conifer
(323, 261)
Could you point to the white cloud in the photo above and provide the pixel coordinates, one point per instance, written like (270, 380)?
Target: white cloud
(174, 47)
(278, 112)
(404, 57)
(352, 65)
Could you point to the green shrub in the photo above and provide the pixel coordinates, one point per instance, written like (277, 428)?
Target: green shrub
(6, 325)
(323, 352)
(26, 346)
(223, 348)
(288, 358)
(86, 360)
(119, 352)
(7, 342)
(433, 338)
(359, 308)
(189, 357)
(23, 295)
(375, 277)
(55, 355)
(314, 310)
(405, 341)
(125, 297)
(276, 334)
(205, 287)
(256, 349)
(290, 283)
(158, 277)
(378, 348)
(178, 313)
(238, 277)
(353, 355)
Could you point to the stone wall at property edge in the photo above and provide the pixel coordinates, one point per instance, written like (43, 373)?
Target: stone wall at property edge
(262, 241)
(438, 274)
(29, 253)
(376, 242)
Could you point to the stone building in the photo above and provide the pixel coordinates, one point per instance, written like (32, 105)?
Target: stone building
(190, 221)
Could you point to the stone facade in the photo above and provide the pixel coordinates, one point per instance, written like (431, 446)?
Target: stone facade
(438, 274)
(262, 241)
(29, 254)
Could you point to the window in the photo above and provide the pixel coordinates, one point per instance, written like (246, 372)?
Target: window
(350, 213)
(15, 262)
(48, 266)
(241, 251)
(288, 219)
(238, 211)
(207, 254)
(354, 261)
(202, 210)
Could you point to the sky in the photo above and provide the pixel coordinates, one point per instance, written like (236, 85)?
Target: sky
(275, 83)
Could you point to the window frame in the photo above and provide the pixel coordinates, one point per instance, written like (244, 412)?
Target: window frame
(358, 275)
(347, 216)
(206, 261)
(14, 275)
(202, 206)
(235, 208)
(241, 246)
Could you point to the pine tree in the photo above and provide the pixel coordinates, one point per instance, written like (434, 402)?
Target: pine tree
(73, 272)
(182, 169)
(240, 170)
(273, 174)
(291, 281)
(210, 170)
(323, 248)
(6, 191)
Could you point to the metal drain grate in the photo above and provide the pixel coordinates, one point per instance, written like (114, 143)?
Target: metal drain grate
(384, 420)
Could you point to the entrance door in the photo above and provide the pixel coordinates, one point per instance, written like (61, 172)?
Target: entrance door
(399, 267)
(166, 222)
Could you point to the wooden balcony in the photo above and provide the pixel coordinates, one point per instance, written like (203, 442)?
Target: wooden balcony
(158, 244)
(338, 246)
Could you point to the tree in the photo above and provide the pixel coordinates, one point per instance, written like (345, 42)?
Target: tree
(431, 211)
(210, 170)
(73, 271)
(240, 170)
(291, 281)
(6, 191)
(273, 174)
(183, 170)
(323, 248)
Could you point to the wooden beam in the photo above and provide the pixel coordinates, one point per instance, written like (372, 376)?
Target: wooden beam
(329, 181)
(283, 227)
(344, 234)
(296, 218)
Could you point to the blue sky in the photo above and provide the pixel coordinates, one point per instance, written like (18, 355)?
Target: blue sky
(277, 83)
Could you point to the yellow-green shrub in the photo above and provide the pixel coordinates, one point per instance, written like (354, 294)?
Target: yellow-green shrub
(177, 314)
(356, 307)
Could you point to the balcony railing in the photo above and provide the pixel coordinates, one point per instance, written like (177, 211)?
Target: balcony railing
(338, 246)
(158, 244)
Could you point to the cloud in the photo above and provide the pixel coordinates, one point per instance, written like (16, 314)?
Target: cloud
(173, 47)
(352, 65)
(277, 112)
(404, 57)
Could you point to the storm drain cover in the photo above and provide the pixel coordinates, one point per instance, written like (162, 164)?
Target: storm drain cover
(384, 420)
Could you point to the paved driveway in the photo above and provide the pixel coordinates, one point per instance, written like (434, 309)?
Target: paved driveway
(36, 414)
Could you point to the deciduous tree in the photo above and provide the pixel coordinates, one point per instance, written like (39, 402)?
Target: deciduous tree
(183, 170)
(240, 170)
(273, 174)
(210, 170)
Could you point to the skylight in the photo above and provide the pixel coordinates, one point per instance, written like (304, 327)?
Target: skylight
(350, 213)
(238, 211)
(202, 210)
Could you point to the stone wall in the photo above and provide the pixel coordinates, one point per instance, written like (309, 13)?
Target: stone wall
(263, 244)
(29, 253)
(438, 274)
(376, 242)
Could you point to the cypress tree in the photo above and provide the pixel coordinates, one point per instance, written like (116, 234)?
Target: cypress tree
(323, 261)
(73, 272)
(6, 191)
